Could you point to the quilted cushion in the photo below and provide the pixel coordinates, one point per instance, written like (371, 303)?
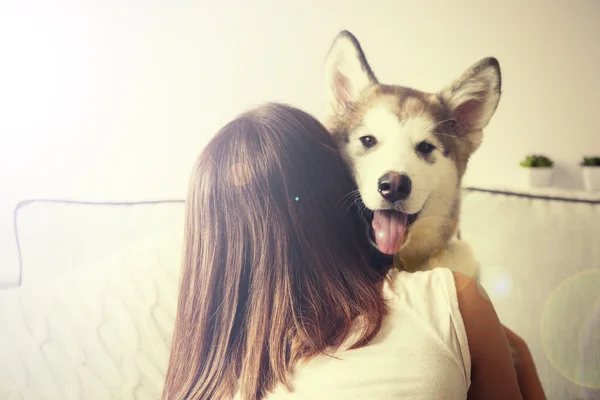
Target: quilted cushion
(99, 332)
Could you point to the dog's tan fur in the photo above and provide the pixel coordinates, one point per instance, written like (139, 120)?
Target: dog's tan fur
(456, 115)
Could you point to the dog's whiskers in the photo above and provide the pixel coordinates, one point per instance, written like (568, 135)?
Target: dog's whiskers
(351, 194)
(350, 199)
(444, 134)
(431, 128)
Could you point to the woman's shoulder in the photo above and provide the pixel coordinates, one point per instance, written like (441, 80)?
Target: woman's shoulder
(430, 295)
(428, 299)
(421, 283)
(437, 281)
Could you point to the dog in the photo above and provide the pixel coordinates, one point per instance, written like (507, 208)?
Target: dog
(408, 151)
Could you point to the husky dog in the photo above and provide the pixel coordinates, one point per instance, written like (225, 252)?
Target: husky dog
(408, 151)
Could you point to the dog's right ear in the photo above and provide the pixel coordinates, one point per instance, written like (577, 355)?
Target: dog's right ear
(347, 74)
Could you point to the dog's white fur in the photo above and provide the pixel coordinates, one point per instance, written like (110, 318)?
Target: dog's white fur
(395, 153)
(399, 119)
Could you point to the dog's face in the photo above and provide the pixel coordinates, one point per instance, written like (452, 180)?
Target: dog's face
(407, 149)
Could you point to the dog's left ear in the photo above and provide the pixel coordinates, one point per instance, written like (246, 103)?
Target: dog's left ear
(347, 74)
(473, 98)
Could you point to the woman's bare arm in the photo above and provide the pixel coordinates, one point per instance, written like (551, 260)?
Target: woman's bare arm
(493, 374)
(529, 381)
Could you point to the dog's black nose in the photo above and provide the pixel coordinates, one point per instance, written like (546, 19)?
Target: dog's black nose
(394, 186)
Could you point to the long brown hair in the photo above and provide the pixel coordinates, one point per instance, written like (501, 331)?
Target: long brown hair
(276, 266)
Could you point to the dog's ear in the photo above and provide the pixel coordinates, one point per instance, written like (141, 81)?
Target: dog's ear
(347, 74)
(473, 98)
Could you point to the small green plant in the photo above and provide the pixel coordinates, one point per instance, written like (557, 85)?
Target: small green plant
(536, 161)
(591, 161)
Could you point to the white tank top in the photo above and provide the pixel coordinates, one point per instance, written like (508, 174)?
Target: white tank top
(420, 353)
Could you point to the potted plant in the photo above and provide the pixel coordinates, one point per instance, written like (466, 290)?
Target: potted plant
(538, 170)
(591, 173)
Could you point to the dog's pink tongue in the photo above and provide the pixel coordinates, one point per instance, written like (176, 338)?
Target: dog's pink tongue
(389, 227)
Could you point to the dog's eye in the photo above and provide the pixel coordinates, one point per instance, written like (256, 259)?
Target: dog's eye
(368, 141)
(425, 148)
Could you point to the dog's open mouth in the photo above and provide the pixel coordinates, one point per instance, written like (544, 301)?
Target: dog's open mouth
(388, 229)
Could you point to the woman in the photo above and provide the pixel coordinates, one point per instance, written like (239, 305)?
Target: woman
(281, 297)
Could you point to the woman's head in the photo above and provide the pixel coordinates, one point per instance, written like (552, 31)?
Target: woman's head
(276, 264)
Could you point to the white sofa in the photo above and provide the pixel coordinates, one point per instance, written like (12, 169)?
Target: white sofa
(100, 327)
(540, 262)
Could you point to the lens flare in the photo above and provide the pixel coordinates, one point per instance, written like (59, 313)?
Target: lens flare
(497, 282)
(570, 329)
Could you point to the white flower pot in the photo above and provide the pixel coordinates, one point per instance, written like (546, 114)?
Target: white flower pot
(538, 176)
(591, 178)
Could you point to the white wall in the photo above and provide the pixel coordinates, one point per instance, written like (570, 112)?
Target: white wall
(113, 99)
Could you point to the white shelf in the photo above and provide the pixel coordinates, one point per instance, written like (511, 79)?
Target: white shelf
(542, 191)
